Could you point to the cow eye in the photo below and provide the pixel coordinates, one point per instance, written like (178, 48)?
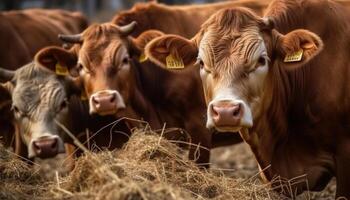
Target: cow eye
(201, 63)
(125, 60)
(261, 61)
(63, 105)
(80, 66)
(16, 110)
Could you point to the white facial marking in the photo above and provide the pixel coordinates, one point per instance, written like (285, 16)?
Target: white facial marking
(224, 90)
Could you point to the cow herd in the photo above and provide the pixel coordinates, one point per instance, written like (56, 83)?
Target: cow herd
(273, 74)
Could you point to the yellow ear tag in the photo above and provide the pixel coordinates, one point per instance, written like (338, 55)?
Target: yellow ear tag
(83, 96)
(143, 58)
(173, 63)
(294, 57)
(61, 70)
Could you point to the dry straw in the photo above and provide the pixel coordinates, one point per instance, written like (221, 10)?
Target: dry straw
(148, 167)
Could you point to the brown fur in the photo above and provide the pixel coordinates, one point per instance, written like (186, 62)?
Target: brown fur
(151, 93)
(301, 126)
(181, 20)
(25, 32)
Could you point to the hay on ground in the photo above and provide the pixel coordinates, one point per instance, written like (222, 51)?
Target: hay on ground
(150, 167)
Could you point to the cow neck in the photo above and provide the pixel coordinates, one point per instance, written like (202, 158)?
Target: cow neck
(147, 87)
(270, 128)
(165, 92)
(79, 117)
(80, 120)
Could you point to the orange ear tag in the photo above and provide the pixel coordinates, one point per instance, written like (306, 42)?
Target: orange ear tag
(61, 70)
(294, 57)
(173, 63)
(143, 58)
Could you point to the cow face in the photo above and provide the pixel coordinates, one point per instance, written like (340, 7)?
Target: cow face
(39, 99)
(104, 62)
(238, 53)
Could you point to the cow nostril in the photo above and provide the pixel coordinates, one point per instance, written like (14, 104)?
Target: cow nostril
(237, 110)
(214, 112)
(94, 100)
(36, 146)
(113, 98)
(54, 144)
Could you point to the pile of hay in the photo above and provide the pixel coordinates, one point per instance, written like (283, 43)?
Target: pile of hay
(18, 180)
(149, 167)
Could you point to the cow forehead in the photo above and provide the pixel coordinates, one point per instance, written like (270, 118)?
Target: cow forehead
(231, 33)
(38, 94)
(103, 49)
(218, 49)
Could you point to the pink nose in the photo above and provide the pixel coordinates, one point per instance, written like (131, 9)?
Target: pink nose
(227, 114)
(104, 103)
(45, 147)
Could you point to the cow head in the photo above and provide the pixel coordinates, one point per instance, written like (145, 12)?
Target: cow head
(238, 53)
(39, 98)
(104, 64)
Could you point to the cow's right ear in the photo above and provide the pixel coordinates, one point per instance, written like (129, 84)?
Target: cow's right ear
(166, 49)
(57, 59)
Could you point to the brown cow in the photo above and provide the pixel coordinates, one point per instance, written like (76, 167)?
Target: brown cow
(182, 20)
(117, 83)
(285, 88)
(22, 34)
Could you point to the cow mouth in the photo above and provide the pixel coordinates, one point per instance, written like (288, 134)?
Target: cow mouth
(227, 128)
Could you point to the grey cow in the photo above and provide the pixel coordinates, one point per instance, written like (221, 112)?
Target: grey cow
(40, 98)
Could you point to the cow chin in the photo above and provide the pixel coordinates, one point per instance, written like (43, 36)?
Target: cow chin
(46, 151)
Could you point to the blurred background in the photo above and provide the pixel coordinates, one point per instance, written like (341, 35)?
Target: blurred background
(96, 10)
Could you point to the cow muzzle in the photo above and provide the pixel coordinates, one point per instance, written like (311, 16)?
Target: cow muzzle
(228, 115)
(46, 147)
(106, 102)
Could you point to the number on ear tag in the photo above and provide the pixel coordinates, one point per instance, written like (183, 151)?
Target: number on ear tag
(173, 63)
(143, 58)
(294, 57)
(61, 70)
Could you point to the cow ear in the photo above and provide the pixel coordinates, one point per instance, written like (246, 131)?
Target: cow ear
(171, 49)
(57, 59)
(298, 48)
(138, 44)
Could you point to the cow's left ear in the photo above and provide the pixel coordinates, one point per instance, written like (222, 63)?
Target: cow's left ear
(138, 44)
(298, 48)
(172, 51)
(57, 59)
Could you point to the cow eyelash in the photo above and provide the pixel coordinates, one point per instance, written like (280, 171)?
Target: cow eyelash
(201, 65)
